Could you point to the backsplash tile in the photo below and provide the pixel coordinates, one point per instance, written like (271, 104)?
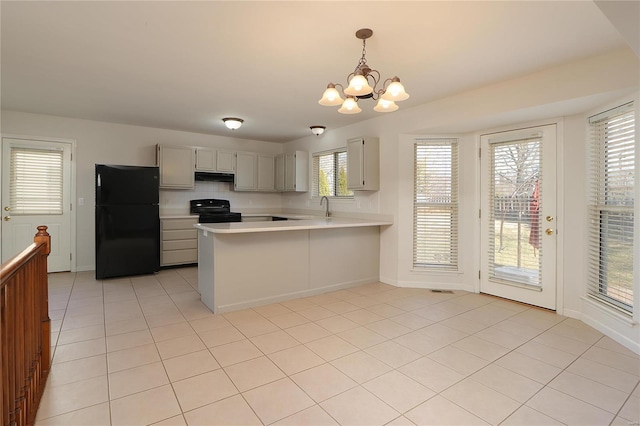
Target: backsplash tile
(176, 201)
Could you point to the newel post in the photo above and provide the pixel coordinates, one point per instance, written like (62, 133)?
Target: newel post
(43, 236)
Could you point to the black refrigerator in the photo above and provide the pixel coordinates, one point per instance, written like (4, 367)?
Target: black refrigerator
(127, 220)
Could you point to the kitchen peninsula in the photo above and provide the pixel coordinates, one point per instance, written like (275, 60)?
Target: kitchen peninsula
(247, 264)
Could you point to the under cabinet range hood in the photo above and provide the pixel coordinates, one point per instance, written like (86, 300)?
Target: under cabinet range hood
(214, 177)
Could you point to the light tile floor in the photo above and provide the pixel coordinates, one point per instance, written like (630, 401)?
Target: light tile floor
(145, 350)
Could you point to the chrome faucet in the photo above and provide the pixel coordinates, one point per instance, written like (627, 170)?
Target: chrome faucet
(327, 213)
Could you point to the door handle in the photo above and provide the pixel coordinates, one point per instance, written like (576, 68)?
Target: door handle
(7, 208)
(549, 218)
(549, 231)
(7, 218)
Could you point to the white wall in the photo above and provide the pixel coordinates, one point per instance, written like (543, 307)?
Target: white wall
(562, 95)
(108, 143)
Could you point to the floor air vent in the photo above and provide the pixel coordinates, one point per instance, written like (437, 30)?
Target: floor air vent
(442, 291)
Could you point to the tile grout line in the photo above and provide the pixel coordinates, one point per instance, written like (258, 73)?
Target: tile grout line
(363, 350)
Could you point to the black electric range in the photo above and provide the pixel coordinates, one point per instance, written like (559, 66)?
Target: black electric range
(211, 210)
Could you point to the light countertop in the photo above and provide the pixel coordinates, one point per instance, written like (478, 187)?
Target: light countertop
(179, 216)
(298, 222)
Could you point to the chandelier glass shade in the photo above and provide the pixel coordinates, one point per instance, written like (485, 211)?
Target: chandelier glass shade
(349, 106)
(364, 83)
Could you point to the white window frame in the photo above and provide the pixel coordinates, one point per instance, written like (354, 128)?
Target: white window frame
(316, 174)
(451, 261)
(599, 206)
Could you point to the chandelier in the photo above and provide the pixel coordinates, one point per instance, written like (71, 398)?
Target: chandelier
(362, 83)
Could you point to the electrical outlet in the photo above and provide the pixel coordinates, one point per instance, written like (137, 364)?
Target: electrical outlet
(81, 201)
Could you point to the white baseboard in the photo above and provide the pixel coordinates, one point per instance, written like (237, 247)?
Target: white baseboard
(435, 286)
(293, 295)
(389, 281)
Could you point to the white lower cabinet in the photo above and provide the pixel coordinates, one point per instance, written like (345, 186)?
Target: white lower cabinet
(179, 241)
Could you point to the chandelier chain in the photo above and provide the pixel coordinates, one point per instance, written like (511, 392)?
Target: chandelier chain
(363, 59)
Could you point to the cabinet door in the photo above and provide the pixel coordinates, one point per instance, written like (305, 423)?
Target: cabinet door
(225, 161)
(355, 163)
(176, 165)
(290, 172)
(205, 159)
(246, 176)
(266, 172)
(302, 171)
(279, 174)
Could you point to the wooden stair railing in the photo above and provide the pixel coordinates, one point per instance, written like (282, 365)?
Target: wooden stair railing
(25, 332)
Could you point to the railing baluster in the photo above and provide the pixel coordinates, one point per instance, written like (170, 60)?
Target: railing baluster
(25, 332)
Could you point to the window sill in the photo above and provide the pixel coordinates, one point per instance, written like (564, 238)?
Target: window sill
(435, 271)
(332, 199)
(610, 311)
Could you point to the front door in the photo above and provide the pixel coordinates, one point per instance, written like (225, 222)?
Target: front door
(518, 215)
(36, 190)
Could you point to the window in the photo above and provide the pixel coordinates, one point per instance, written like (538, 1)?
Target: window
(330, 174)
(35, 181)
(611, 204)
(435, 204)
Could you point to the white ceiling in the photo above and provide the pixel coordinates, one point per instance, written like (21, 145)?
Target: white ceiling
(186, 65)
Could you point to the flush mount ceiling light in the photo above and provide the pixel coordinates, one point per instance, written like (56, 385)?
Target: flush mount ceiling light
(232, 122)
(362, 83)
(317, 130)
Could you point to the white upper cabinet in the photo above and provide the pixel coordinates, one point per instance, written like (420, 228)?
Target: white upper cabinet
(266, 172)
(176, 165)
(215, 160)
(246, 171)
(225, 161)
(205, 159)
(296, 171)
(254, 172)
(279, 174)
(363, 164)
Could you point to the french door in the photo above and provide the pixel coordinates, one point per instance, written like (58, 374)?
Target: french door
(518, 215)
(36, 190)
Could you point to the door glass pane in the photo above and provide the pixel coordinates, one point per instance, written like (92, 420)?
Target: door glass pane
(35, 181)
(515, 224)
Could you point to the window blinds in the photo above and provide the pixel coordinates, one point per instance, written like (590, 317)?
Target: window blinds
(35, 181)
(611, 205)
(435, 206)
(330, 174)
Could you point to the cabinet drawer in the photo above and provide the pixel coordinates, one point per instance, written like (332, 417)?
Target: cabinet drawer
(177, 257)
(180, 244)
(179, 234)
(168, 224)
